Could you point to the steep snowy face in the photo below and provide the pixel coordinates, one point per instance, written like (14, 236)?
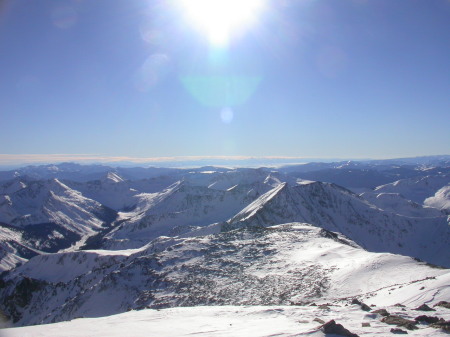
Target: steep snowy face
(441, 200)
(113, 177)
(13, 248)
(13, 186)
(121, 195)
(179, 209)
(416, 189)
(334, 208)
(396, 203)
(282, 265)
(46, 216)
(52, 202)
(238, 177)
(111, 191)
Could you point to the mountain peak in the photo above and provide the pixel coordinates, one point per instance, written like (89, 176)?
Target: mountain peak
(113, 177)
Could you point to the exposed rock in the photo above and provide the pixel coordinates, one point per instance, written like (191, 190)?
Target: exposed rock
(21, 297)
(427, 319)
(444, 304)
(382, 312)
(400, 321)
(424, 307)
(318, 320)
(365, 324)
(409, 326)
(333, 328)
(399, 331)
(356, 301)
(363, 306)
(399, 305)
(444, 325)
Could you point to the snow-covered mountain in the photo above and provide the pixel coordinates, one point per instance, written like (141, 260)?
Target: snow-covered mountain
(369, 174)
(440, 200)
(51, 202)
(214, 178)
(14, 248)
(13, 185)
(291, 264)
(47, 216)
(83, 173)
(396, 203)
(204, 196)
(334, 208)
(178, 209)
(416, 189)
(220, 236)
(112, 191)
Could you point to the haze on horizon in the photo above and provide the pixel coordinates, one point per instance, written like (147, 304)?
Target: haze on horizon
(292, 78)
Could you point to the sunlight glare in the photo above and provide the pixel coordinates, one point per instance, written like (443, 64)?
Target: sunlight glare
(219, 19)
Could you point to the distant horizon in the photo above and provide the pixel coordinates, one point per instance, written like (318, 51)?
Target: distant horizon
(19, 161)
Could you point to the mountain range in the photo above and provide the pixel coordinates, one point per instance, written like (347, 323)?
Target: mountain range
(91, 241)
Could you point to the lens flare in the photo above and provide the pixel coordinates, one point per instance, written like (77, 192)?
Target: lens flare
(220, 91)
(226, 115)
(152, 71)
(220, 19)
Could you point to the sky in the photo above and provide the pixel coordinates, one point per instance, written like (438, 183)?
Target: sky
(268, 78)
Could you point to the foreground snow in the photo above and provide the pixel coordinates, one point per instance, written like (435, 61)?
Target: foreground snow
(230, 321)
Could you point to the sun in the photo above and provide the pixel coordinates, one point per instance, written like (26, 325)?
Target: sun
(221, 19)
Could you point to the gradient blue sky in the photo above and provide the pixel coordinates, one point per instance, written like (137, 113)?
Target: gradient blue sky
(312, 78)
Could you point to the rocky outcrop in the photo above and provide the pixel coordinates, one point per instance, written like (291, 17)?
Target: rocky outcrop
(443, 325)
(424, 307)
(332, 327)
(400, 322)
(362, 305)
(426, 319)
(398, 331)
(382, 312)
(443, 304)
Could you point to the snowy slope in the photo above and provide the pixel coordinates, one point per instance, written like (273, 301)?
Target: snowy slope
(60, 171)
(13, 185)
(441, 200)
(51, 202)
(219, 180)
(178, 209)
(14, 249)
(112, 191)
(46, 216)
(334, 208)
(396, 203)
(235, 321)
(416, 189)
(283, 265)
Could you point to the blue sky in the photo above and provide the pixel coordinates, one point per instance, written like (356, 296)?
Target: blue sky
(307, 78)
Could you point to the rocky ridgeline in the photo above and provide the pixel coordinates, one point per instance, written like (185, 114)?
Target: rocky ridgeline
(402, 321)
